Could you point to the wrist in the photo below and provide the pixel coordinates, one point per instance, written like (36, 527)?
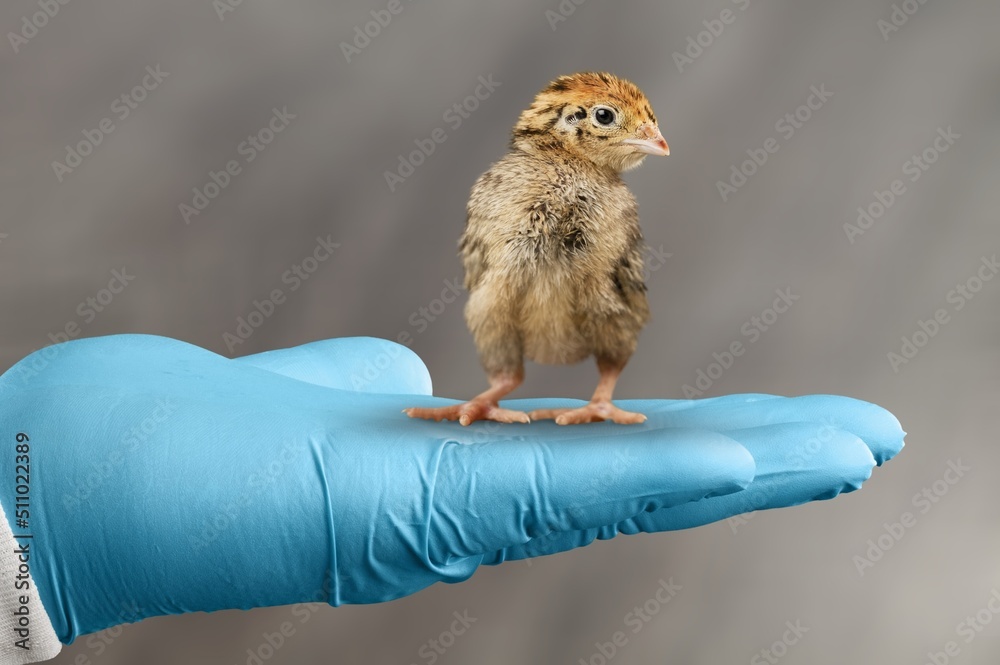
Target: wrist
(26, 633)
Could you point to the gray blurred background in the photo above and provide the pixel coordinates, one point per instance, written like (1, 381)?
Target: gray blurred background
(62, 235)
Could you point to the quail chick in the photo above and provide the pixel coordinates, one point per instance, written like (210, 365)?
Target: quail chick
(552, 248)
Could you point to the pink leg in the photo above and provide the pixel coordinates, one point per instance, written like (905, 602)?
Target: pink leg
(484, 406)
(600, 407)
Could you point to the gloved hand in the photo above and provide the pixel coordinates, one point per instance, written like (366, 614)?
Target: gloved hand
(165, 478)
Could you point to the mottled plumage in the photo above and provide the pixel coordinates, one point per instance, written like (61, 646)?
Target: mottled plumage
(552, 247)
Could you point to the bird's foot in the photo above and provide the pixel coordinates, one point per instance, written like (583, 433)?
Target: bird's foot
(469, 412)
(594, 412)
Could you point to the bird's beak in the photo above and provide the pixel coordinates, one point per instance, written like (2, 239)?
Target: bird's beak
(649, 140)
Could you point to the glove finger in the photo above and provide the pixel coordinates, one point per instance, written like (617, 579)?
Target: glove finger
(874, 425)
(796, 463)
(360, 364)
(494, 495)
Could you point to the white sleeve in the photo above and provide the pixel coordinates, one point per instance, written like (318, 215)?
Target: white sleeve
(21, 608)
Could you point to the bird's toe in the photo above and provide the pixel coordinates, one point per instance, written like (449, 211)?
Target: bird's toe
(595, 412)
(508, 416)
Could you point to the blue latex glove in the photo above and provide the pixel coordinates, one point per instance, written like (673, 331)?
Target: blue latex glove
(168, 479)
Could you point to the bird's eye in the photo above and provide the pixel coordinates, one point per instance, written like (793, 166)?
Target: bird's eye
(604, 116)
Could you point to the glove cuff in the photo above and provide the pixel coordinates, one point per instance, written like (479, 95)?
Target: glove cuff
(26, 634)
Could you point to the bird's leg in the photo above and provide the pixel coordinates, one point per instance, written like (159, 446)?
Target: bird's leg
(600, 407)
(484, 406)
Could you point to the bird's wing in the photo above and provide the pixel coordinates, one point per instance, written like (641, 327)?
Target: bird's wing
(628, 280)
(473, 251)
(628, 273)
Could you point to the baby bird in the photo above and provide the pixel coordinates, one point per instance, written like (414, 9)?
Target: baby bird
(552, 248)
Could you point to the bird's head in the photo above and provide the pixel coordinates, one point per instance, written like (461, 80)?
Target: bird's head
(595, 115)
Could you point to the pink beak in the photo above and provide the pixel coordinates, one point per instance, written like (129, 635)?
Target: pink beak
(649, 140)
